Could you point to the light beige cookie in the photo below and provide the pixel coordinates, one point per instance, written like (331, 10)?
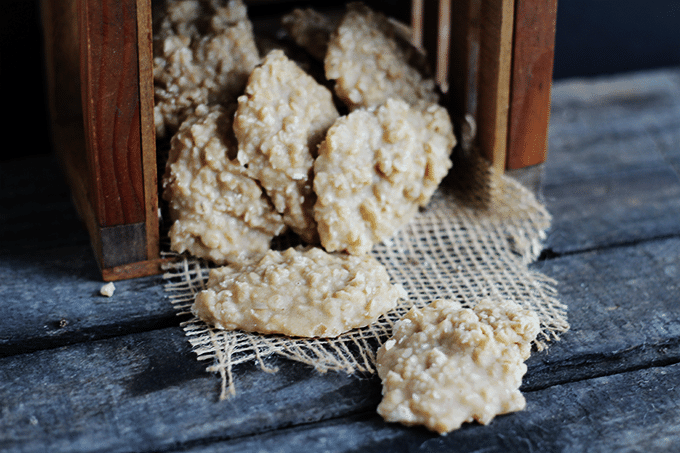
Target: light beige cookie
(280, 120)
(446, 365)
(175, 17)
(298, 292)
(219, 213)
(203, 54)
(370, 63)
(375, 168)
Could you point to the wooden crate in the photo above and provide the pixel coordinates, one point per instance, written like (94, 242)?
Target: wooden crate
(493, 57)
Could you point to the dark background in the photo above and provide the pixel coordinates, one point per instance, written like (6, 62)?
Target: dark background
(593, 37)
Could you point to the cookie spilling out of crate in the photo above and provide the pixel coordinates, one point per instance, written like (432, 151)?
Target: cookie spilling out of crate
(258, 147)
(329, 138)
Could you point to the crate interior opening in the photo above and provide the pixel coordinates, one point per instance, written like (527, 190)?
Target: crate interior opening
(323, 121)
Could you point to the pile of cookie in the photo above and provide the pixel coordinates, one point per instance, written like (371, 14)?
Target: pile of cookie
(260, 147)
(347, 181)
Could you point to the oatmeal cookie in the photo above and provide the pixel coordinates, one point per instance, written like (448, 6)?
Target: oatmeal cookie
(280, 120)
(302, 292)
(370, 63)
(446, 365)
(375, 168)
(175, 17)
(203, 54)
(219, 213)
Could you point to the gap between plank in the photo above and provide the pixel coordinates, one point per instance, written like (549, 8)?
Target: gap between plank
(208, 441)
(595, 359)
(87, 335)
(548, 253)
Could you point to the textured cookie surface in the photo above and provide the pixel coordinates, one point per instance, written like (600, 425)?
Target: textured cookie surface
(219, 213)
(446, 365)
(280, 120)
(203, 53)
(298, 292)
(375, 168)
(370, 64)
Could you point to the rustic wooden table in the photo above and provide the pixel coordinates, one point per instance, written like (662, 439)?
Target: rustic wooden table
(81, 372)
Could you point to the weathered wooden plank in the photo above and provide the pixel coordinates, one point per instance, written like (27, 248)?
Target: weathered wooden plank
(637, 411)
(613, 209)
(51, 298)
(624, 312)
(611, 124)
(146, 391)
(612, 174)
(50, 284)
(668, 143)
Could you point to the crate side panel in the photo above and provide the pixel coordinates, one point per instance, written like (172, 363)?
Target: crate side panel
(110, 77)
(61, 32)
(147, 127)
(533, 55)
(494, 79)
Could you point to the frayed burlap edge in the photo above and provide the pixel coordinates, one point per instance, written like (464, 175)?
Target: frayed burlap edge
(460, 247)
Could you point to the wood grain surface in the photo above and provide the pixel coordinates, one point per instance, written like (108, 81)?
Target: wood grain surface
(149, 386)
(110, 92)
(533, 52)
(148, 129)
(96, 59)
(598, 415)
(612, 175)
(495, 67)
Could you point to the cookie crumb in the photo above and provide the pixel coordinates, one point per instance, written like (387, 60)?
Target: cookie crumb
(108, 289)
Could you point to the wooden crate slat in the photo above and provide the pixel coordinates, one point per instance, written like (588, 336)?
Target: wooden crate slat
(431, 25)
(463, 58)
(61, 25)
(110, 90)
(147, 127)
(532, 67)
(159, 395)
(494, 80)
(117, 93)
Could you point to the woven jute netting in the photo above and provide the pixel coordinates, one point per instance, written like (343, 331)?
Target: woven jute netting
(475, 240)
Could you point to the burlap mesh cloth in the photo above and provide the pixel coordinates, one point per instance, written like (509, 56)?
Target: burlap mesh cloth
(466, 245)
